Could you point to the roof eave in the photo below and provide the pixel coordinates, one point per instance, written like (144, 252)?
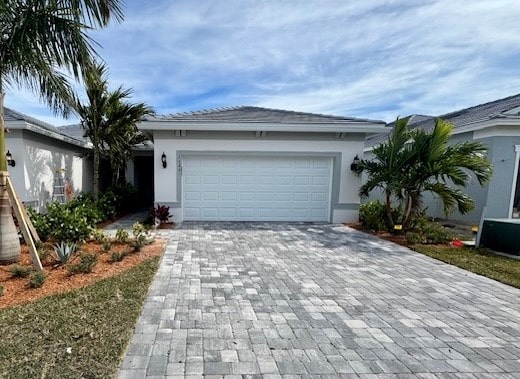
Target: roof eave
(24, 125)
(346, 127)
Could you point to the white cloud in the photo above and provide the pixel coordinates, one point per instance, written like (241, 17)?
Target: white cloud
(375, 59)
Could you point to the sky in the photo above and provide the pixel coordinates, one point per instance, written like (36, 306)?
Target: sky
(375, 59)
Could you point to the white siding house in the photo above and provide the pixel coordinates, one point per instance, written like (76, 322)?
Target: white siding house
(257, 164)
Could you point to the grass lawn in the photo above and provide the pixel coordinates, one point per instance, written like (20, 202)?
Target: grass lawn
(79, 334)
(479, 261)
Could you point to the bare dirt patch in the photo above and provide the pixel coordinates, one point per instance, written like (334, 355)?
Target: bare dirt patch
(58, 280)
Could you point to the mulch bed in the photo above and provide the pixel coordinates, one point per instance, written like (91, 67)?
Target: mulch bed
(58, 280)
(399, 239)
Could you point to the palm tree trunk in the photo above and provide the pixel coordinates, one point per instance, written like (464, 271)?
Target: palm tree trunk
(388, 208)
(9, 242)
(407, 210)
(95, 180)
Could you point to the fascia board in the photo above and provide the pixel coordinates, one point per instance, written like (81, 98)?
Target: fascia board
(375, 128)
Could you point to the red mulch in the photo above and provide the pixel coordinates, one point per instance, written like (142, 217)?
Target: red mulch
(17, 291)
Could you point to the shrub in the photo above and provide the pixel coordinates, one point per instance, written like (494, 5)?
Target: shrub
(37, 279)
(161, 212)
(122, 235)
(64, 250)
(1, 290)
(119, 199)
(106, 245)
(84, 266)
(43, 253)
(139, 233)
(64, 223)
(428, 232)
(98, 235)
(373, 215)
(18, 271)
(118, 257)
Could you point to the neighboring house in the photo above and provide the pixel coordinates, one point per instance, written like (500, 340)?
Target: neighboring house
(41, 152)
(258, 164)
(497, 124)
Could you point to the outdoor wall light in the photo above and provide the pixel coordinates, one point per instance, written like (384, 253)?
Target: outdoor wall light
(163, 160)
(10, 160)
(355, 164)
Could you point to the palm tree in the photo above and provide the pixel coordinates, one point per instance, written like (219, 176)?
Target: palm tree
(413, 162)
(41, 41)
(387, 168)
(109, 121)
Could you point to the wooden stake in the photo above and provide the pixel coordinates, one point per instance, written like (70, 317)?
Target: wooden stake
(23, 221)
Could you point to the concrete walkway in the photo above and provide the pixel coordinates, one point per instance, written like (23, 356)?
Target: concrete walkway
(271, 300)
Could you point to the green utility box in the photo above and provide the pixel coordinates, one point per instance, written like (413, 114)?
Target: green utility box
(501, 235)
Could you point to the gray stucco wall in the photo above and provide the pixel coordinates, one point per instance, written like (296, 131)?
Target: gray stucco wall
(503, 157)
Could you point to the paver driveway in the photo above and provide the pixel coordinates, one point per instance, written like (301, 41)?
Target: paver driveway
(317, 300)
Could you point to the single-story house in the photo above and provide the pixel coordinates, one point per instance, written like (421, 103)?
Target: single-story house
(258, 164)
(496, 124)
(41, 154)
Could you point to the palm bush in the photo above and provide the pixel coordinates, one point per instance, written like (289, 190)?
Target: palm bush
(413, 162)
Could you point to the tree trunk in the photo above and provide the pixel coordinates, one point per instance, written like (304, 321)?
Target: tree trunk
(9, 242)
(388, 207)
(407, 211)
(95, 180)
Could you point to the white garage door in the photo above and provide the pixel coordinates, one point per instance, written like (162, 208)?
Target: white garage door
(256, 188)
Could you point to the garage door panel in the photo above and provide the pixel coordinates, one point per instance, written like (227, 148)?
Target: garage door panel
(256, 188)
(191, 195)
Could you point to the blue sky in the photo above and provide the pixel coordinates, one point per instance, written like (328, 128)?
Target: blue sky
(373, 59)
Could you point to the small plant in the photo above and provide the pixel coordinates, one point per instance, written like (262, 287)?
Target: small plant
(84, 266)
(37, 279)
(106, 245)
(118, 257)
(162, 213)
(64, 250)
(139, 232)
(43, 253)
(122, 235)
(1, 290)
(18, 271)
(98, 235)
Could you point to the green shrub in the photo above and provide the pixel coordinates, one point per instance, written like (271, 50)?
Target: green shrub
(119, 199)
(43, 253)
(118, 257)
(64, 250)
(98, 235)
(37, 279)
(139, 232)
(122, 235)
(18, 271)
(373, 215)
(428, 232)
(106, 245)
(64, 223)
(85, 265)
(1, 290)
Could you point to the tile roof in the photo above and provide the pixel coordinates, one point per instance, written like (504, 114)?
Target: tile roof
(43, 127)
(257, 114)
(460, 118)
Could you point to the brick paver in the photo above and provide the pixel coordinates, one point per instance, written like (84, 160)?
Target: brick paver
(274, 300)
